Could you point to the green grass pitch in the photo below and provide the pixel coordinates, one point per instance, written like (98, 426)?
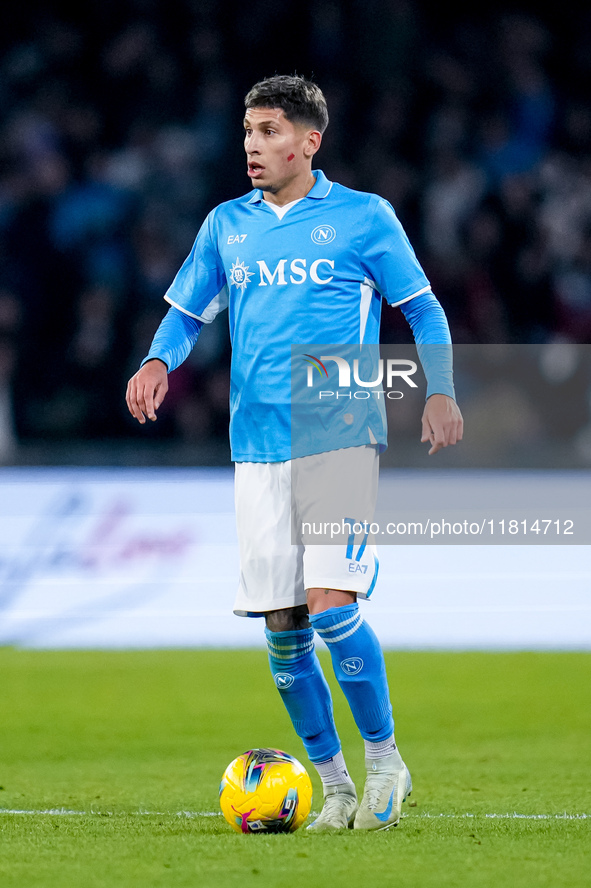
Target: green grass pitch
(128, 741)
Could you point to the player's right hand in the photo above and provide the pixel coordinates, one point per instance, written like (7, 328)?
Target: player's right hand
(146, 390)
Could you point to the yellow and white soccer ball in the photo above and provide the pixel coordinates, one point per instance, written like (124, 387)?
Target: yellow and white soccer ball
(265, 790)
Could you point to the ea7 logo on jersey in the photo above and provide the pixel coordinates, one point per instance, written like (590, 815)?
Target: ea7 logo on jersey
(236, 238)
(323, 234)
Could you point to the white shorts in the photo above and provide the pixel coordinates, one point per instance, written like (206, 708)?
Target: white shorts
(277, 567)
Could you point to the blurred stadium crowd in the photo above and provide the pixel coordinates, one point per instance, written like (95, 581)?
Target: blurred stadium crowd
(121, 129)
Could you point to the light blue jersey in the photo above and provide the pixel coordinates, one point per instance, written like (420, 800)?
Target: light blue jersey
(316, 275)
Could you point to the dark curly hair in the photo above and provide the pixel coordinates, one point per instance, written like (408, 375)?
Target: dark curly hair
(301, 100)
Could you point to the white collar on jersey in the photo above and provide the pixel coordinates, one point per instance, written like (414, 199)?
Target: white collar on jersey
(281, 211)
(318, 191)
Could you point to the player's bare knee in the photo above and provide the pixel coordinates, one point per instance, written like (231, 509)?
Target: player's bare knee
(280, 620)
(300, 616)
(323, 599)
(287, 619)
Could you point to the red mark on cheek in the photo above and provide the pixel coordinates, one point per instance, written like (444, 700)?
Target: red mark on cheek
(291, 157)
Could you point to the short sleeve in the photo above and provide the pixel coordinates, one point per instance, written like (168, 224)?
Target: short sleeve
(199, 288)
(389, 259)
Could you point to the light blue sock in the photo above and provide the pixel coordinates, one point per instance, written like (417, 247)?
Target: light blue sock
(358, 663)
(304, 691)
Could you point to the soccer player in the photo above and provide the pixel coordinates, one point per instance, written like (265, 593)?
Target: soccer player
(301, 260)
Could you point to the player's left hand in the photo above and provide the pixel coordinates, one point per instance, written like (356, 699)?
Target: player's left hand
(442, 422)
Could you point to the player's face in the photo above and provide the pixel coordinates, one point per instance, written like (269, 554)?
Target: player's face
(277, 150)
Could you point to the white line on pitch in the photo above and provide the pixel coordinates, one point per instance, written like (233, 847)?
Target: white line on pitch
(189, 814)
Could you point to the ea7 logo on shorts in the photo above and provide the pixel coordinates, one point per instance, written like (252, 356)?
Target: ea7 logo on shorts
(356, 568)
(284, 680)
(352, 665)
(323, 234)
(236, 238)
